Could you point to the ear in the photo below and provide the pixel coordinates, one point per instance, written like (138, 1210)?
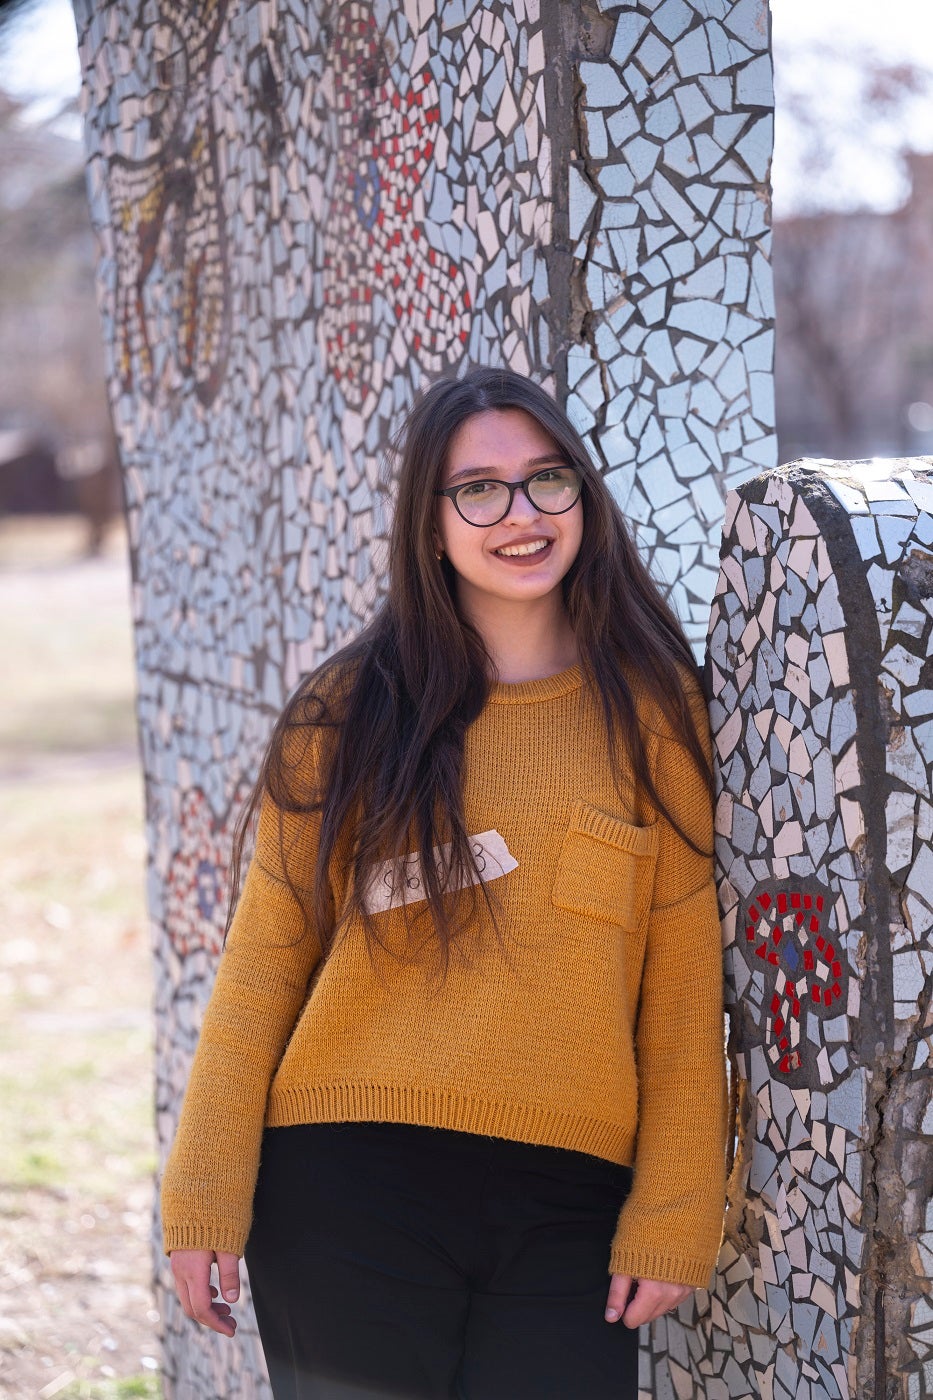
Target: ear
(438, 546)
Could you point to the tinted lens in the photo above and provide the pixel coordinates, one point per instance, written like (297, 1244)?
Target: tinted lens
(483, 502)
(555, 489)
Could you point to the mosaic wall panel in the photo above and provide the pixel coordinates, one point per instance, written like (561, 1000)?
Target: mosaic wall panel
(308, 208)
(821, 677)
(670, 377)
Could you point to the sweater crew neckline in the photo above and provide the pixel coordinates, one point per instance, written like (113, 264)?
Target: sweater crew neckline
(527, 692)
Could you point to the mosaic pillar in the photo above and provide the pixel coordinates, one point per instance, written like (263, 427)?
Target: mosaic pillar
(305, 212)
(822, 706)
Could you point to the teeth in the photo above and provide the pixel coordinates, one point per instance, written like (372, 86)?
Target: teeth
(509, 549)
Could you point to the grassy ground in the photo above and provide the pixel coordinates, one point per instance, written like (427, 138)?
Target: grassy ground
(76, 1132)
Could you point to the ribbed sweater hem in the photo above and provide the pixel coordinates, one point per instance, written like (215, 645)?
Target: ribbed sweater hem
(440, 1108)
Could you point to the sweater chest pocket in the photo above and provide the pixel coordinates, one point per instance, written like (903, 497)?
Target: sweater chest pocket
(605, 869)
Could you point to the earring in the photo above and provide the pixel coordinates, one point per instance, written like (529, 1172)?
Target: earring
(438, 555)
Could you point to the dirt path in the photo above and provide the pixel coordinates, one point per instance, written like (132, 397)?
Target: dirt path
(76, 1131)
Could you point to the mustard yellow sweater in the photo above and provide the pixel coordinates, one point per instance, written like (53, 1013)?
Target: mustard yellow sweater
(595, 1023)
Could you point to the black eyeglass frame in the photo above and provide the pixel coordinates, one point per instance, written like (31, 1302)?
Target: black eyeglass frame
(512, 486)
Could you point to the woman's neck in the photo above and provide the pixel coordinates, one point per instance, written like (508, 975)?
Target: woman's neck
(527, 641)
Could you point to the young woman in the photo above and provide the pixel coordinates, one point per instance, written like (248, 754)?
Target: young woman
(459, 1093)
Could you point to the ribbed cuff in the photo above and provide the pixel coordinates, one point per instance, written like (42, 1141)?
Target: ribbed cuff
(663, 1268)
(202, 1237)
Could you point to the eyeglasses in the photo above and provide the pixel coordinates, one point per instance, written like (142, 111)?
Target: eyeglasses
(552, 491)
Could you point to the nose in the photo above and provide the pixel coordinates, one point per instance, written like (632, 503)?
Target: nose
(522, 507)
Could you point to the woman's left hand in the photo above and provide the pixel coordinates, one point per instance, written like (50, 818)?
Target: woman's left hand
(650, 1299)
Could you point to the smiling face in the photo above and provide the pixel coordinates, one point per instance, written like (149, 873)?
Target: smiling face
(524, 557)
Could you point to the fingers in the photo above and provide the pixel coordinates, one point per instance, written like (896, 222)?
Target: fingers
(191, 1269)
(652, 1299)
(228, 1269)
(619, 1289)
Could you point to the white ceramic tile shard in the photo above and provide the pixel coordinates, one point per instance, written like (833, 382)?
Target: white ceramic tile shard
(856, 618)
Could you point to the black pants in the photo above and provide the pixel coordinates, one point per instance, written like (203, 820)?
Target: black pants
(388, 1259)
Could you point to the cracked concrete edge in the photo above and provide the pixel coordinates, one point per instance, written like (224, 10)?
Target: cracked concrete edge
(895, 1190)
(558, 22)
(874, 952)
(902, 1184)
(573, 33)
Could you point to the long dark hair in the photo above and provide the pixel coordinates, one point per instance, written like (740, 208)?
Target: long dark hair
(388, 714)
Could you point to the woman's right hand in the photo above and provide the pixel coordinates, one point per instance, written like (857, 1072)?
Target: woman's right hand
(191, 1269)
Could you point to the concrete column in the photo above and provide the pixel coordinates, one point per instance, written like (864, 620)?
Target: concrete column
(821, 682)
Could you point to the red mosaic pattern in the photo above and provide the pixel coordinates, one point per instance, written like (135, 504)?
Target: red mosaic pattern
(787, 935)
(196, 885)
(374, 243)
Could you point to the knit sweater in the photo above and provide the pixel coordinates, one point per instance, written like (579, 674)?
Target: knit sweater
(592, 1021)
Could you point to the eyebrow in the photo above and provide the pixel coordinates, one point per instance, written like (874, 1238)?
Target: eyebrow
(488, 473)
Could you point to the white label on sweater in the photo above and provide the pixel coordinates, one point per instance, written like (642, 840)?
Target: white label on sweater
(400, 882)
